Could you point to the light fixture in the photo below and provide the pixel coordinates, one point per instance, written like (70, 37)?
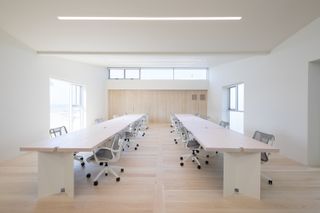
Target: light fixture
(92, 18)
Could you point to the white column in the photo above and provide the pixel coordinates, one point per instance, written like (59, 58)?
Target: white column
(55, 172)
(241, 173)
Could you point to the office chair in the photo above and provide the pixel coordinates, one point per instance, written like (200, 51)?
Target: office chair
(106, 155)
(173, 124)
(178, 127)
(224, 124)
(134, 130)
(193, 148)
(267, 139)
(58, 131)
(99, 120)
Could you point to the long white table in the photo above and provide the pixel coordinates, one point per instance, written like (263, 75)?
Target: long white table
(241, 154)
(55, 156)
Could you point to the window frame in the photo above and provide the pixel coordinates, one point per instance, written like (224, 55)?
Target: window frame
(190, 68)
(141, 68)
(236, 109)
(109, 73)
(131, 68)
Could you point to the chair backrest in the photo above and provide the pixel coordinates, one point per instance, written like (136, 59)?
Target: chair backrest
(184, 134)
(99, 120)
(224, 124)
(117, 146)
(58, 131)
(117, 142)
(264, 138)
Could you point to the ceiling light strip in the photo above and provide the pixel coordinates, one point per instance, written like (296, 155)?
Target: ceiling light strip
(80, 18)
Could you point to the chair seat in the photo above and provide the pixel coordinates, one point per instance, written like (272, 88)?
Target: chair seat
(193, 144)
(102, 155)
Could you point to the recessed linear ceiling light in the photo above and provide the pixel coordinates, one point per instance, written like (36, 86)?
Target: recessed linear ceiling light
(80, 18)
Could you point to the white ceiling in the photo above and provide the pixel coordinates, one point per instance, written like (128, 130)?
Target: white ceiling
(265, 24)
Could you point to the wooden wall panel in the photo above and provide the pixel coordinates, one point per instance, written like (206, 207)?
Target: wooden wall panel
(157, 103)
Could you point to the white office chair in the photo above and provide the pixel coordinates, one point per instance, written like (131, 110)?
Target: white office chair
(135, 130)
(224, 124)
(99, 120)
(106, 155)
(129, 137)
(177, 129)
(58, 131)
(267, 139)
(193, 149)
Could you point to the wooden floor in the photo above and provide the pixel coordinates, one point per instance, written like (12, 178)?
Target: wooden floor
(154, 182)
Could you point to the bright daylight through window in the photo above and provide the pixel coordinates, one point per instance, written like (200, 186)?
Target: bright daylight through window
(67, 105)
(163, 73)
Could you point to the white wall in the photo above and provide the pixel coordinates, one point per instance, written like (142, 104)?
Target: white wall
(314, 113)
(24, 92)
(276, 90)
(159, 84)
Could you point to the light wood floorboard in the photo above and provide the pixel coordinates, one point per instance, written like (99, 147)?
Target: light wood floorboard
(154, 182)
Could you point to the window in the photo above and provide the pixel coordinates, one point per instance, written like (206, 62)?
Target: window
(232, 98)
(241, 97)
(236, 107)
(116, 73)
(67, 105)
(190, 74)
(159, 73)
(132, 73)
(156, 73)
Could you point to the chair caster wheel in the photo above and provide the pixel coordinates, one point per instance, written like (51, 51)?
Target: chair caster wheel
(137, 145)
(106, 164)
(192, 160)
(197, 151)
(81, 158)
(207, 162)
(101, 163)
(106, 174)
(176, 142)
(181, 164)
(118, 179)
(270, 182)
(83, 164)
(95, 183)
(208, 156)
(88, 175)
(135, 148)
(217, 152)
(122, 170)
(181, 158)
(143, 134)
(123, 150)
(199, 167)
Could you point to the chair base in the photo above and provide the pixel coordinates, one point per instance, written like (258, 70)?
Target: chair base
(79, 158)
(107, 170)
(270, 181)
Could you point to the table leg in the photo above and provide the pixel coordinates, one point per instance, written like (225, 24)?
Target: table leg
(55, 173)
(241, 174)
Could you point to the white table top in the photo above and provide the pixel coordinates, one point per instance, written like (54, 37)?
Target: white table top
(84, 140)
(213, 137)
